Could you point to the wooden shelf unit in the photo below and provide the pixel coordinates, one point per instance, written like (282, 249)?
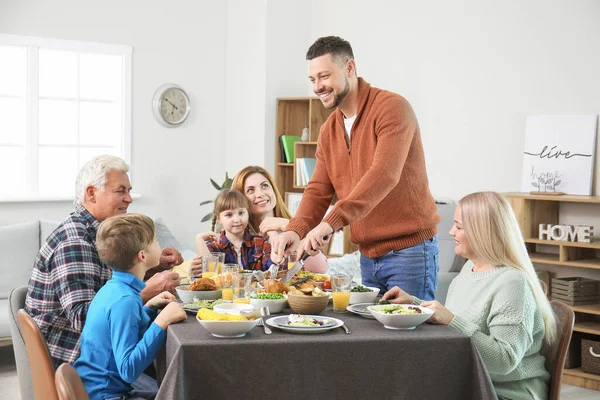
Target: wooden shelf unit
(293, 114)
(533, 210)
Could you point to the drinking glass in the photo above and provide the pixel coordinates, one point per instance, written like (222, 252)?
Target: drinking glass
(220, 262)
(209, 265)
(340, 290)
(242, 287)
(292, 259)
(227, 274)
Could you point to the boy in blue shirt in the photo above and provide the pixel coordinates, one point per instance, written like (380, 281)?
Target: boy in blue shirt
(119, 339)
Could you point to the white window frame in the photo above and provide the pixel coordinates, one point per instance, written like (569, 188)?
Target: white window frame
(33, 45)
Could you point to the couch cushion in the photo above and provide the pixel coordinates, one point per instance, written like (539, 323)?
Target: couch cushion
(46, 228)
(20, 244)
(449, 261)
(4, 324)
(166, 239)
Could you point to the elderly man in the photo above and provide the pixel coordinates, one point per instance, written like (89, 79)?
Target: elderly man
(68, 272)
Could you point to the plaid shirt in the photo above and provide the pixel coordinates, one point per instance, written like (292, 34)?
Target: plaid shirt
(256, 251)
(66, 275)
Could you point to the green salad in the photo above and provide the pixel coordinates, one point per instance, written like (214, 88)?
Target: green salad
(397, 309)
(204, 303)
(268, 296)
(360, 289)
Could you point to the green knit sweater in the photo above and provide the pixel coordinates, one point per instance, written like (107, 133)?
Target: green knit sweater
(497, 310)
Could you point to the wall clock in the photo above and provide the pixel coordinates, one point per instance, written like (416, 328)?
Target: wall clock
(171, 105)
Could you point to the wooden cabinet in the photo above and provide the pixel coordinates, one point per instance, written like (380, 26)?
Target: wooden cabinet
(533, 210)
(293, 114)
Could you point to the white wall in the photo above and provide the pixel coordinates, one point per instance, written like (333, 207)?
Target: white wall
(473, 70)
(179, 41)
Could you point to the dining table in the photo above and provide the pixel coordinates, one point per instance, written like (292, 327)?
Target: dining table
(428, 362)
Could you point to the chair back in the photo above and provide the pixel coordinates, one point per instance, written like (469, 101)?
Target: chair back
(68, 384)
(16, 301)
(40, 362)
(544, 287)
(557, 352)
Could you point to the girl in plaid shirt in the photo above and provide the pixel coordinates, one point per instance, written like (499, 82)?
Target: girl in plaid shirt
(250, 251)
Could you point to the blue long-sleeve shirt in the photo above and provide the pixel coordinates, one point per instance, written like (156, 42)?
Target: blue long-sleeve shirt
(119, 340)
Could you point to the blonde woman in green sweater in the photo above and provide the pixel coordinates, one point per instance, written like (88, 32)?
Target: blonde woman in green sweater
(496, 299)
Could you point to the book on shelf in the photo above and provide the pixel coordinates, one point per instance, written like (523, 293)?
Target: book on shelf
(283, 157)
(308, 167)
(288, 146)
(305, 167)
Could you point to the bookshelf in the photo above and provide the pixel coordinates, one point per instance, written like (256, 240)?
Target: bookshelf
(293, 114)
(532, 210)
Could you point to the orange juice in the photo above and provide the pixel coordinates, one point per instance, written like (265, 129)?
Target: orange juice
(227, 293)
(340, 300)
(212, 266)
(247, 301)
(208, 274)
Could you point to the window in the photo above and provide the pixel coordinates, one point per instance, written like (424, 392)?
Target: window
(61, 103)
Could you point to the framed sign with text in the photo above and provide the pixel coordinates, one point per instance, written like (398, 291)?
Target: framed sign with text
(559, 154)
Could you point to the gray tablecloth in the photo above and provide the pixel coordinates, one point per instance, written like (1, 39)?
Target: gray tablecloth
(430, 362)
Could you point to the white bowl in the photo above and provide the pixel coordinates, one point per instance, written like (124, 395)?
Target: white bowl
(364, 297)
(275, 306)
(187, 296)
(228, 329)
(400, 321)
(232, 308)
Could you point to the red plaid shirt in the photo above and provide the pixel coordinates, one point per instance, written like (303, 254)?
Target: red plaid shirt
(256, 251)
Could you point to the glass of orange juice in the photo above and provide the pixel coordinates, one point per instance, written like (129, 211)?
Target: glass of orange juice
(220, 262)
(209, 265)
(292, 259)
(340, 291)
(226, 274)
(242, 286)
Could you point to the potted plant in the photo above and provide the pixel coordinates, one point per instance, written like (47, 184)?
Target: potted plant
(225, 185)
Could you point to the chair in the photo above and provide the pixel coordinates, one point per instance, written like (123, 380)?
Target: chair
(557, 352)
(68, 384)
(40, 362)
(16, 301)
(544, 287)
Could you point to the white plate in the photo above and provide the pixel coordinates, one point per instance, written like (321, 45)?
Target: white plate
(361, 309)
(281, 323)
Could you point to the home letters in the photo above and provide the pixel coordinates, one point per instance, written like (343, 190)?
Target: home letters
(566, 233)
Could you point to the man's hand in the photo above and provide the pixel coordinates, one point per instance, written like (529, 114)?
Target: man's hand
(441, 315)
(283, 244)
(164, 281)
(317, 238)
(160, 301)
(273, 224)
(169, 258)
(397, 296)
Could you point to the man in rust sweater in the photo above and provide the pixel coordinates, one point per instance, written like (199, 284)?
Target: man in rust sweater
(369, 154)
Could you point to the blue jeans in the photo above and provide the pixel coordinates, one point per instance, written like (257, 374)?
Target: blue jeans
(414, 270)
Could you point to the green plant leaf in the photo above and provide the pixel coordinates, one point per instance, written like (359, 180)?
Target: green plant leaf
(207, 217)
(215, 185)
(206, 202)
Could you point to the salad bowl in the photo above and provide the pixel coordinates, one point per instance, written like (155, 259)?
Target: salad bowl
(400, 316)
